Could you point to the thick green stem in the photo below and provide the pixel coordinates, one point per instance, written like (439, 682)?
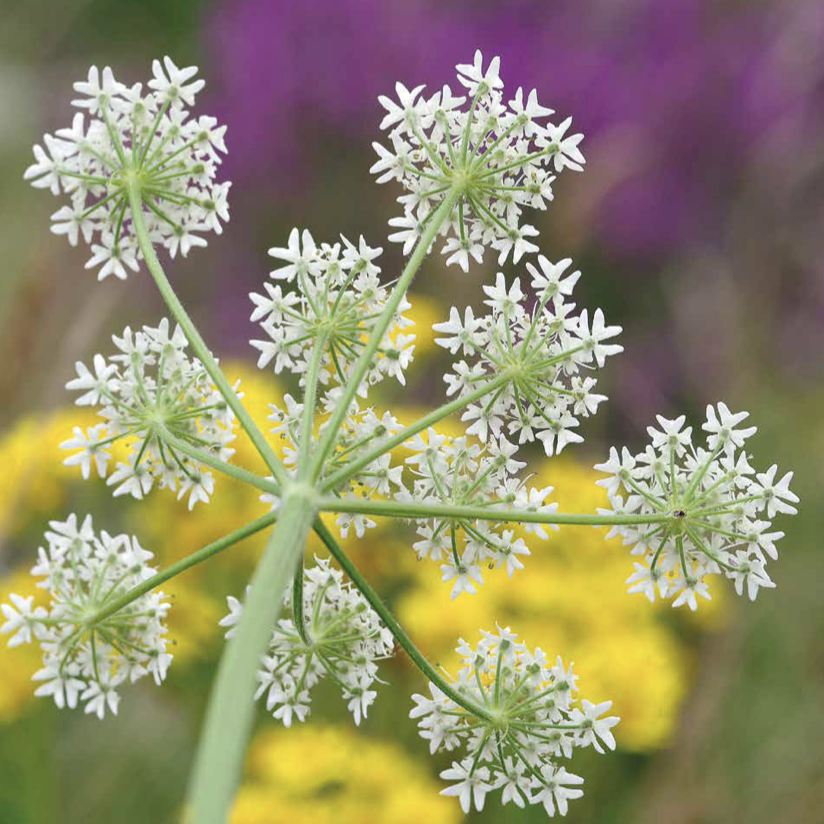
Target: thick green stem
(395, 509)
(410, 431)
(182, 565)
(230, 713)
(377, 331)
(394, 627)
(196, 341)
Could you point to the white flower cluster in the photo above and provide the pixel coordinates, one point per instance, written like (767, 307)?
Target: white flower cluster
(85, 659)
(135, 142)
(360, 430)
(333, 632)
(460, 472)
(536, 356)
(148, 392)
(336, 296)
(496, 158)
(718, 510)
(530, 725)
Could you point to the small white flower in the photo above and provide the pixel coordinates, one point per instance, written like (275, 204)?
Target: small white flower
(100, 696)
(99, 385)
(339, 635)
(567, 155)
(516, 242)
(544, 345)
(594, 727)
(592, 339)
(472, 75)
(173, 84)
(750, 572)
(132, 136)
(300, 255)
(467, 334)
(334, 296)
(149, 391)
(465, 576)
(554, 791)
(712, 513)
(778, 497)
(672, 435)
(22, 620)
(89, 442)
(515, 720)
(721, 426)
(85, 660)
(689, 588)
(551, 281)
(235, 613)
(470, 787)
(496, 159)
(60, 684)
(644, 580)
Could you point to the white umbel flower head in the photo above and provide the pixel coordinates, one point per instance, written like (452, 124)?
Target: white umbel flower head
(141, 144)
(86, 659)
(493, 159)
(712, 511)
(332, 632)
(534, 357)
(149, 393)
(526, 721)
(461, 472)
(328, 295)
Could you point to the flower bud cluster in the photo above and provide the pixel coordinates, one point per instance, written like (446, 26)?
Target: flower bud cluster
(332, 632)
(494, 159)
(535, 359)
(148, 393)
(86, 658)
(459, 471)
(334, 299)
(138, 142)
(530, 722)
(716, 510)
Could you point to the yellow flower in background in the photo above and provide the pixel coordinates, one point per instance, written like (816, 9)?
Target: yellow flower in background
(571, 599)
(423, 313)
(33, 481)
(34, 484)
(308, 775)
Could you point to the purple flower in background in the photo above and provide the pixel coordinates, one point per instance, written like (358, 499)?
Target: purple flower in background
(670, 93)
(703, 124)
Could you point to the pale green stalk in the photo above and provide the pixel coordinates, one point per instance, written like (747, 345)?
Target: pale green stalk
(195, 340)
(346, 472)
(377, 331)
(397, 509)
(375, 601)
(182, 565)
(309, 395)
(230, 712)
(236, 472)
(494, 511)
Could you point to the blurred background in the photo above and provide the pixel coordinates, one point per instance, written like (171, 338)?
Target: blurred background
(698, 228)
